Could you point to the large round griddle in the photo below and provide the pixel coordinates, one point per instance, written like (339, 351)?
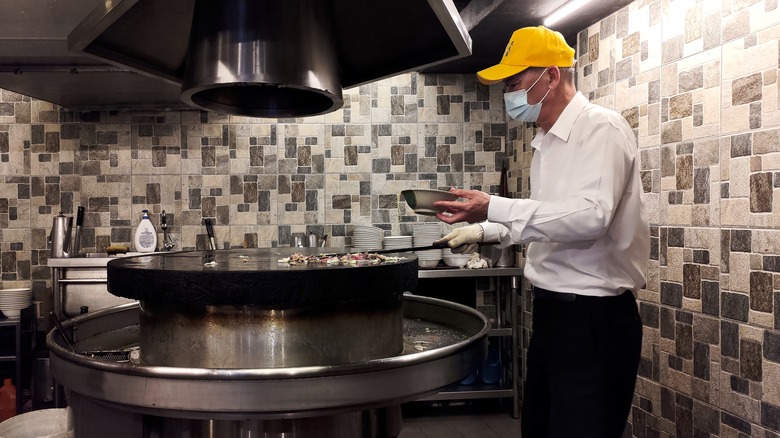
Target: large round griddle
(255, 277)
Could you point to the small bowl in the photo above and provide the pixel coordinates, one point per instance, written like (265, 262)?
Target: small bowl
(427, 263)
(456, 259)
(421, 200)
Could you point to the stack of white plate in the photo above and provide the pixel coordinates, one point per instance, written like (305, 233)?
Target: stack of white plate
(365, 238)
(424, 235)
(12, 301)
(397, 242)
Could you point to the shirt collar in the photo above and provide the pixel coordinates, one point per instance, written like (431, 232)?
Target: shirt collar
(562, 126)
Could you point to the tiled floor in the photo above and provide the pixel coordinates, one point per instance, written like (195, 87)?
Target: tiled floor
(459, 421)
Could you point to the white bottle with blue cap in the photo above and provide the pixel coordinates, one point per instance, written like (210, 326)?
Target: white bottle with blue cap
(145, 235)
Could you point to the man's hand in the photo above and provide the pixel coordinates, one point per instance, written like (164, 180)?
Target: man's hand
(463, 240)
(472, 208)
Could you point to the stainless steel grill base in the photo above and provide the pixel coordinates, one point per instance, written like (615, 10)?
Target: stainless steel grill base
(442, 342)
(99, 419)
(247, 337)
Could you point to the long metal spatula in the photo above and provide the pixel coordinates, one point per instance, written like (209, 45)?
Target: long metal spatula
(410, 249)
(63, 333)
(106, 355)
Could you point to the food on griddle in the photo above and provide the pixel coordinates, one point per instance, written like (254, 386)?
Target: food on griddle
(335, 259)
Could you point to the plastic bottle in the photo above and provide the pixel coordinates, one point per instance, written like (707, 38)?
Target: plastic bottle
(490, 371)
(145, 235)
(7, 400)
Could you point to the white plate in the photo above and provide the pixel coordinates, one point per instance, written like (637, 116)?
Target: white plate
(14, 306)
(428, 226)
(398, 241)
(15, 302)
(15, 297)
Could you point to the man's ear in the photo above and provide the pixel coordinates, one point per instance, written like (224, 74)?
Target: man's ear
(554, 75)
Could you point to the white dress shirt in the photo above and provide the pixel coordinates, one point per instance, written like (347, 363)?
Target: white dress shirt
(585, 222)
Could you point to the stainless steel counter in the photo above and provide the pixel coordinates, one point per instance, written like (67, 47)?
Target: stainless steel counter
(464, 272)
(90, 260)
(81, 281)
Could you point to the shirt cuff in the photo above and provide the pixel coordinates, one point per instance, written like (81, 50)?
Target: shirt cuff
(499, 208)
(490, 232)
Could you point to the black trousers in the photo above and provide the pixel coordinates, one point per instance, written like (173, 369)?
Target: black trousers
(582, 363)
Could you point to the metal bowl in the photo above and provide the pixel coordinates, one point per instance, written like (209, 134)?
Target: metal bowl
(456, 259)
(422, 200)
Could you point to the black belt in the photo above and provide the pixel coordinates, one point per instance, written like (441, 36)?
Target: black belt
(545, 294)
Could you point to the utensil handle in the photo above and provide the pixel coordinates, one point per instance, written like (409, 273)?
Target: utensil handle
(210, 233)
(80, 217)
(59, 326)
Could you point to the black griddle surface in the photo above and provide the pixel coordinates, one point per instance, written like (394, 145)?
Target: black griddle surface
(256, 277)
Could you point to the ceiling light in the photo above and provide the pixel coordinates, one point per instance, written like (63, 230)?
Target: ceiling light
(564, 11)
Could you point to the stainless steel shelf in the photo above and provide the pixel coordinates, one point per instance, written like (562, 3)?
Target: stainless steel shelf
(84, 281)
(464, 272)
(508, 282)
(7, 358)
(501, 332)
(9, 322)
(470, 392)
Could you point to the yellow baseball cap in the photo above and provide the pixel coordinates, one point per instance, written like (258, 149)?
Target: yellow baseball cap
(529, 47)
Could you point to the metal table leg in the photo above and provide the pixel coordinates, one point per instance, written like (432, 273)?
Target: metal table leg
(516, 375)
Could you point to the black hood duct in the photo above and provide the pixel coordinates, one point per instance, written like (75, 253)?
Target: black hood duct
(263, 58)
(271, 58)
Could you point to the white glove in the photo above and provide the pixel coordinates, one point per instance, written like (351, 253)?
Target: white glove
(463, 240)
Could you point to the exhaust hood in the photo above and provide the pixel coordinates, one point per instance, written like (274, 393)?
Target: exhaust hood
(255, 58)
(383, 39)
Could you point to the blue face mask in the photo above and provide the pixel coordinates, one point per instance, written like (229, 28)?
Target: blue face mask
(517, 106)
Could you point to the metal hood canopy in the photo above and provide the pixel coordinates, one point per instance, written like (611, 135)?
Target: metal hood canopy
(87, 54)
(271, 58)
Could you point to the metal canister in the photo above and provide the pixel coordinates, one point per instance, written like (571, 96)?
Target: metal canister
(60, 236)
(507, 258)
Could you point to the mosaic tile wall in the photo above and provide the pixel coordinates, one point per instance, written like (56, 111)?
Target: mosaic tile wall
(260, 180)
(519, 155)
(698, 81)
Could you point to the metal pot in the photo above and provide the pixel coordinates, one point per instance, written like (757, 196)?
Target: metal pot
(507, 258)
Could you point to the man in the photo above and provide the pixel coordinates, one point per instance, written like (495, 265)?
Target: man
(588, 242)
